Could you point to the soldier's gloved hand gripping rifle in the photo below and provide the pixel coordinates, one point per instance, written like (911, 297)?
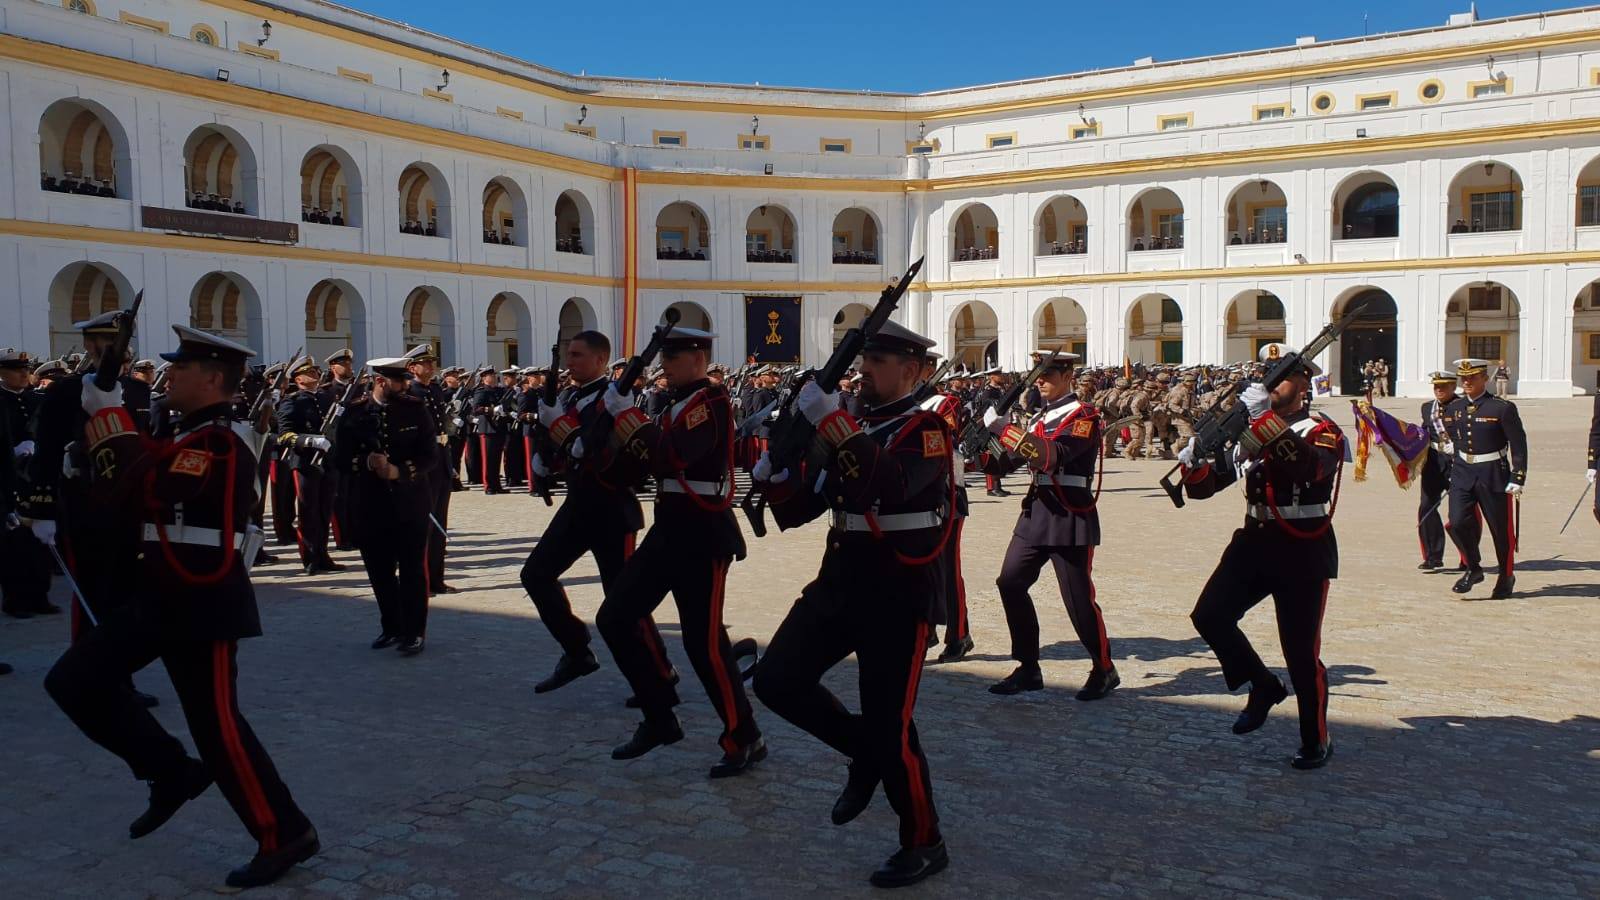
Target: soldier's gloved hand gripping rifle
(792, 433)
(1219, 429)
(548, 394)
(976, 437)
(594, 437)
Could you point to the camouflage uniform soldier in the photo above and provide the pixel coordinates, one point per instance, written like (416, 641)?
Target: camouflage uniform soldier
(1180, 403)
(1138, 404)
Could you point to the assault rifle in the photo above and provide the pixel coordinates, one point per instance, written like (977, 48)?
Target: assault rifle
(261, 409)
(975, 438)
(548, 395)
(792, 433)
(594, 436)
(1219, 429)
(927, 388)
(110, 362)
(330, 422)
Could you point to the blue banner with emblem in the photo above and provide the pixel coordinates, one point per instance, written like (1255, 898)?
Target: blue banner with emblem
(772, 329)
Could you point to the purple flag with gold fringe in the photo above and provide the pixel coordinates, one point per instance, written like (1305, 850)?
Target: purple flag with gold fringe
(1405, 446)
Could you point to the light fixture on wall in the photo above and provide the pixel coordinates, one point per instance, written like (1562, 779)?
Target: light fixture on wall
(445, 75)
(1488, 170)
(1361, 132)
(1263, 185)
(767, 169)
(222, 75)
(762, 211)
(922, 128)
(266, 33)
(583, 113)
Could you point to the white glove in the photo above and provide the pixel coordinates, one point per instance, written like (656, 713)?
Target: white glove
(994, 421)
(816, 405)
(457, 422)
(1515, 489)
(576, 450)
(94, 399)
(1256, 400)
(1186, 455)
(762, 471)
(538, 466)
(319, 442)
(45, 530)
(1449, 448)
(1591, 474)
(616, 404)
(26, 449)
(548, 414)
(499, 410)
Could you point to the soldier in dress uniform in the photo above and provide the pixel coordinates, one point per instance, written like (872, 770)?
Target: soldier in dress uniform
(1290, 459)
(25, 564)
(423, 364)
(687, 551)
(1435, 471)
(516, 463)
(302, 453)
(993, 469)
(388, 449)
(488, 407)
(1059, 524)
(1490, 467)
(1594, 452)
(599, 516)
(340, 374)
(883, 474)
(276, 460)
(953, 585)
(188, 497)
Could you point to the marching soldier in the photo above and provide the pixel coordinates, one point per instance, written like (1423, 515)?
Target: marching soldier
(1137, 403)
(687, 551)
(188, 497)
(1490, 467)
(993, 469)
(423, 364)
(886, 481)
(487, 405)
(1594, 452)
(24, 564)
(387, 447)
(1180, 404)
(599, 516)
(276, 460)
(301, 447)
(340, 374)
(1059, 524)
(1435, 471)
(1290, 458)
(516, 462)
(953, 587)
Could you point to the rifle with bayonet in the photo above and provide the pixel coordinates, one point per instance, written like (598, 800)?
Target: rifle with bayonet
(976, 437)
(330, 422)
(792, 432)
(109, 366)
(929, 387)
(548, 395)
(595, 435)
(1219, 429)
(261, 409)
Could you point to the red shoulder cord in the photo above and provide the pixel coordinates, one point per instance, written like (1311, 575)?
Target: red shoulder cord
(1100, 475)
(1319, 531)
(726, 503)
(227, 519)
(950, 520)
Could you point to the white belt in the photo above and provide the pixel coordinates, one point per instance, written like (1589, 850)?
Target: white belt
(1303, 511)
(1482, 457)
(703, 488)
(843, 521)
(1049, 478)
(189, 534)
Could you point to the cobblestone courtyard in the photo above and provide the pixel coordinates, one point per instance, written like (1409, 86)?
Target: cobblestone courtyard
(1468, 743)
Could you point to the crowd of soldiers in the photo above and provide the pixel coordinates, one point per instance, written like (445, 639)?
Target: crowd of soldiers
(168, 470)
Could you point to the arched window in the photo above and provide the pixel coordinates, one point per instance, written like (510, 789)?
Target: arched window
(330, 188)
(81, 150)
(221, 171)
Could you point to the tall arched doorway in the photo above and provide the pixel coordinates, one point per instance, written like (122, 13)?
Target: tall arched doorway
(1254, 318)
(227, 305)
(975, 335)
(510, 332)
(1062, 324)
(335, 319)
(1374, 335)
(79, 292)
(429, 319)
(1481, 320)
(846, 319)
(1155, 331)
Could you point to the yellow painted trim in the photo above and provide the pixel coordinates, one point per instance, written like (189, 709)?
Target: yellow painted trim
(1588, 341)
(763, 287)
(657, 135)
(762, 141)
(353, 75)
(1594, 76)
(503, 112)
(1472, 88)
(1257, 110)
(93, 10)
(913, 146)
(156, 25)
(196, 31)
(1081, 131)
(1391, 98)
(822, 144)
(770, 182)
(585, 130)
(438, 95)
(1424, 86)
(990, 139)
(1174, 121)
(1333, 103)
(249, 49)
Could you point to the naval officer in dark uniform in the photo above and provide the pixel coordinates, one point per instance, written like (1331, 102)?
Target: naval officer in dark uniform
(1435, 471)
(884, 478)
(423, 364)
(1490, 468)
(303, 460)
(188, 497)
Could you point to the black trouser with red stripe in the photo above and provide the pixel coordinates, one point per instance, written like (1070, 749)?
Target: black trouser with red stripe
(283, 506)
(564, 540)
(472, 448)
(90, 684)
(1250, 569)
(665, 562)
(1430, 518)
(394, 554)
(1485, 494)
(889, 635)
(491, 450)
(1074, 571)
(516, 457)
(314, 513)
(437, 539)
(955, 587)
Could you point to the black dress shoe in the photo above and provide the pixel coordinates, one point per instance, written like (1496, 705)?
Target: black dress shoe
(1312, 757)
(329, 565)
(857, 794)
(410, 646)
(1100, 683)
(1025, 678)
(167, 796)
(384, 640)
(910, 865)
(739, 761)
(265, 868)
(955, 652)
(569, 669)
(1429, 564)
(1262, 699)
(1503, 586)
(633, 699)
(265, 559)
(1467, 580)
(933, 640)
(648, 736)
(745, 647)
(442, 589)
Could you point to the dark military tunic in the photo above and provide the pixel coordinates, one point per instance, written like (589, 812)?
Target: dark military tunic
(1491, 452)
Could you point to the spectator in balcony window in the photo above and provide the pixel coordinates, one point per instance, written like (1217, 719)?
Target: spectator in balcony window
(338, 217)
(1349, 230)
(433, 229)
(1234, 241)
(106, 190)
(46, 182)
(1460, 227)
(1138, 245)
(1280, 235)
(1477, 225)
(238, 207)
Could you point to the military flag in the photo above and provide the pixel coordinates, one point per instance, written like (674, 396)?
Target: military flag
(1405, 446)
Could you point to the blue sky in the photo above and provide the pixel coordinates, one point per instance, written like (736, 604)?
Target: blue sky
(864, 45)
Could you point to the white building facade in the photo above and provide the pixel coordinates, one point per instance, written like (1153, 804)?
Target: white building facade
(300, 174)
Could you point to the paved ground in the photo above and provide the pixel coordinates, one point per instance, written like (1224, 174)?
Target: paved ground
(1468, 745)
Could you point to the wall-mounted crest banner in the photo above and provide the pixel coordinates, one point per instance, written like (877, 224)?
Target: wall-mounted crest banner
(772, 329)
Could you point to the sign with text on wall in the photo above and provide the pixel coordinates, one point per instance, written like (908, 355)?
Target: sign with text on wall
(772, 329)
